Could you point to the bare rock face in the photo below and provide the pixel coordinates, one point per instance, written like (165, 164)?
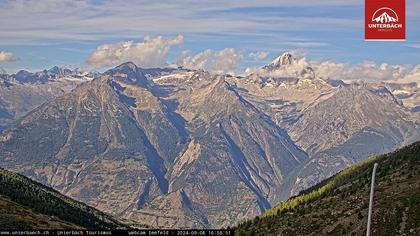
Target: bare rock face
(350, 111)
(337, 124)
(355, 123)
(191, 154)
(407, 93)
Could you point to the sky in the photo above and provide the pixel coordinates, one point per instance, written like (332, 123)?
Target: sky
(218, 35)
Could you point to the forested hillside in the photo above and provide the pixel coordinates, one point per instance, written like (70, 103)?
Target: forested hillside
(25, 204)
(339, 205)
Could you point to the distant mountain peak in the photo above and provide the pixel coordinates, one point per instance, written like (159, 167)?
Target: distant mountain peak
(284, 59)
(286, 65)
(60, 71)
(130, 71)
(47, 75)
(23, 72)
(55, 68)
(127, 66)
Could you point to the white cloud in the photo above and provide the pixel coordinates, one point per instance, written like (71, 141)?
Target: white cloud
(151, 52)
(259, 55)
(413, 76)
(223, 61)
(367, 71)
(329, 69)
(298, 53)
(7, 56)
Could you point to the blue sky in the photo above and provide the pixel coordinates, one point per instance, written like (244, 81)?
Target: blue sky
(44, 33)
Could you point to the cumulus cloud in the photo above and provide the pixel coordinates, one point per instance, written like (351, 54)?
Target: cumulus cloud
(412, 76)
(223, 61)
(367, 71)
(151, 52)
(7, 56)
(259, 55)
(329, 69)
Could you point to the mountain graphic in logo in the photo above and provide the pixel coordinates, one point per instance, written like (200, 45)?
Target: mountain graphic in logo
(385, 15)
(385, 18)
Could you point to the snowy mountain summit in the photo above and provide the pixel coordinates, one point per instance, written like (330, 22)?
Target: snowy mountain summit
(282, 60)
(287, 66)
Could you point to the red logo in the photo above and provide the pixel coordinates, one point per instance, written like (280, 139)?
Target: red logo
(385, 19)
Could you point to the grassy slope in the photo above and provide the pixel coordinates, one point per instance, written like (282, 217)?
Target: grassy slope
(44, 207)
(338, 206)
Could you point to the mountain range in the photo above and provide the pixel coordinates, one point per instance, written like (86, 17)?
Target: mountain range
(187, 148)
(22, 92)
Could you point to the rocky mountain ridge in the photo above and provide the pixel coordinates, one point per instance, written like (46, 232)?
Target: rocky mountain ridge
(328, 119)
(24, 91)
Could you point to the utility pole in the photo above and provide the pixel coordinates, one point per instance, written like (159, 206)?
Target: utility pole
(372, 190)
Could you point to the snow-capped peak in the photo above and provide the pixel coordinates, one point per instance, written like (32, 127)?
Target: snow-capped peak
(287, 66)
(284, 59)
